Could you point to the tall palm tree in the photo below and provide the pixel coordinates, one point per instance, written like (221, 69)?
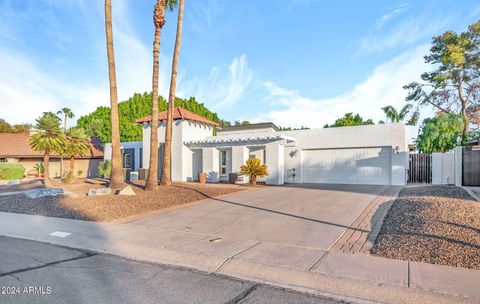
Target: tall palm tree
(166, 176)
(116, 177)
(396, 116)
(67, 113)
(76, 145)
(47, 138)
(159, 22)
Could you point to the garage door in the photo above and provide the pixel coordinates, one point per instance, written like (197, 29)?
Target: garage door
(348, 166)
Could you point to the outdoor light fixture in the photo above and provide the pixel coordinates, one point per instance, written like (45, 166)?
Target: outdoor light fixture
(397, 149)
(293, 153)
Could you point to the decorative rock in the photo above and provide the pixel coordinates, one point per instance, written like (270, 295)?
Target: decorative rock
(99, 191)
(13, 182)
(127, 191)
(36, 193)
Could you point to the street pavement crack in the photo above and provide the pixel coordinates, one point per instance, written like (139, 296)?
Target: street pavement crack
(243, 295)
(82, 256)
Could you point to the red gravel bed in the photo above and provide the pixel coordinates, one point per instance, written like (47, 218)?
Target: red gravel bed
(111, 207)
(432, 224)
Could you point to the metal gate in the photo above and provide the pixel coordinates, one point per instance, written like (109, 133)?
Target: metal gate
(471, 167)
(420, 168)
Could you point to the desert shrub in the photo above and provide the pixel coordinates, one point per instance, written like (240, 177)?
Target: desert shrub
(69, 177)
(11, 171)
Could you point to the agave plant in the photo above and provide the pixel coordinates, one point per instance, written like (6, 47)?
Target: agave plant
(253, 168)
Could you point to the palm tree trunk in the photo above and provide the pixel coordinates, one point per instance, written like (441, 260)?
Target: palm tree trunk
(116, 178)
(46, 172)
(166, 176)
(159, 21)
(72, 164)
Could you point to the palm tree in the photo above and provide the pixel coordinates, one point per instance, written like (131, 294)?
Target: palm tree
(67, 113)
(116, 178)
(166, 178)
(396, 116)
(77, 144)
(47, 138)
(159, 22)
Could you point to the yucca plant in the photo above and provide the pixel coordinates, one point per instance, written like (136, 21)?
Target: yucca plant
(253, 169)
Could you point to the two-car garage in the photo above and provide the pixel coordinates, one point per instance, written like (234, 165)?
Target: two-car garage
(347, 166)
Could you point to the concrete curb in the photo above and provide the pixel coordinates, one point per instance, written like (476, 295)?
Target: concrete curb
(472, 194)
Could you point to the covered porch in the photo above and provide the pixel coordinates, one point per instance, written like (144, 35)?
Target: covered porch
(218, 156)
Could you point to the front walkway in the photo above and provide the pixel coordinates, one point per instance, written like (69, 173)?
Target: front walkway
(279, 235)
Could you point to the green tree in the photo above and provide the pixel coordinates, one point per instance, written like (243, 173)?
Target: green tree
(350, 120)
(47, 138)
(76, 144)
(166, 168)
(116, 178)
(97, 123)
(397, 116)
(441, 133)
(453, 86)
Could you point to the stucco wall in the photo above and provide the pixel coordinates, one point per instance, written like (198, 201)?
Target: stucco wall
(350, 137)
(385, 135)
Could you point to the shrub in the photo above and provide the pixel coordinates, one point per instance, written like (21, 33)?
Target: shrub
(105, 168)
(39, 168)
(69, 177)
(11, 171)
(253, 168)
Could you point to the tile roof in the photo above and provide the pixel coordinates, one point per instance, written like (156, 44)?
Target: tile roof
(15, 145)
(179, 113)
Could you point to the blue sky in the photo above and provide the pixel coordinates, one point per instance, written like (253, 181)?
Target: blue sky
(294, 62)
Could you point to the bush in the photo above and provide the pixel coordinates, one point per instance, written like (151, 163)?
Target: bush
(105, 168)
(11, 171)
(69, 177)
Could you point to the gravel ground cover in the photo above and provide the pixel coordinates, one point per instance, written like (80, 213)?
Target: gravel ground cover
(432, 224)
(110, 207)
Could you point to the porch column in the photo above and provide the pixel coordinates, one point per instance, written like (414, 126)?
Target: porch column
(210, 164)
(239, 157)
(275, 162)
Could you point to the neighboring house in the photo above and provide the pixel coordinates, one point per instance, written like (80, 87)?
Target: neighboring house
(373, 154)
(14, 148)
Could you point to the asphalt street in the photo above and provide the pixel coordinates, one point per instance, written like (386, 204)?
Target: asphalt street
(35, 272)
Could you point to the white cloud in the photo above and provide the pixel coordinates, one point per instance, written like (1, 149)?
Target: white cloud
(391, 14)
(224, 85)
(408, 32)
(383, 87)
(27, 89)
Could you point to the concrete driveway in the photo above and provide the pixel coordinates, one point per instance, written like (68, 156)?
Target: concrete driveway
(290, 226)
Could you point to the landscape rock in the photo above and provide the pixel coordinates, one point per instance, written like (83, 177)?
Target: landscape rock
(36, 193)
(99, 191)
(13, 182)
(127, 191)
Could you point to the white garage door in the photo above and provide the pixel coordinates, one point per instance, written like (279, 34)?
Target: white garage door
(348, 166)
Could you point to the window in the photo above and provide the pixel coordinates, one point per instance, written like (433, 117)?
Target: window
(223, 162)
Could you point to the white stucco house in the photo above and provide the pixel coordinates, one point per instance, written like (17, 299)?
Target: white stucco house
(373, 154)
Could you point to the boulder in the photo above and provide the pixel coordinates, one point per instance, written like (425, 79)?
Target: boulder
(36, 193)
(127, 191)
(99, 191)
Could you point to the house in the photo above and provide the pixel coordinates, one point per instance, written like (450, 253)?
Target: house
(373, 154)
(14, 148)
